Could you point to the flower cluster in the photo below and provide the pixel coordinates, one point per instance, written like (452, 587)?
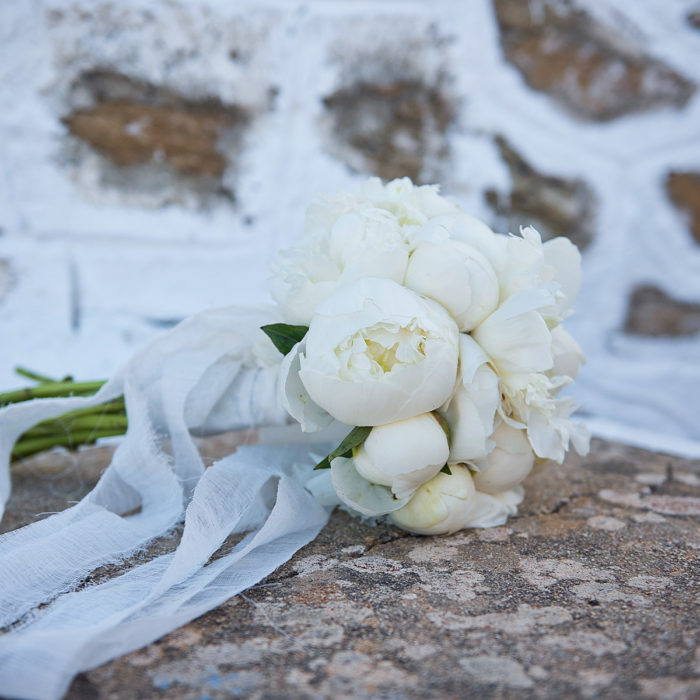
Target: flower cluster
(440, 341)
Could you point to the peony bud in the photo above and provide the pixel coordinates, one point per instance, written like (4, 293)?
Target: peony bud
(403, 455)
(442, 505)
(457, 276)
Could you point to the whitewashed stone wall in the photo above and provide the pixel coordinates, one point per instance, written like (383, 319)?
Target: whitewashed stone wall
(154, 156)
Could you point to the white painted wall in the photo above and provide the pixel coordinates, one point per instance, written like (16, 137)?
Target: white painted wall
(93, 274)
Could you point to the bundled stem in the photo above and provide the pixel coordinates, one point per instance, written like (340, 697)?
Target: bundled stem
(82, 426)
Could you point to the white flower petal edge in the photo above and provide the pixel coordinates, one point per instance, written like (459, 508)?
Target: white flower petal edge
(359, 494)
(376, 353)
(566, 353)
(412, 205)
(491, 510)
(403, 455)
(470, 231)
(551, 431)
(515, 336)
(507, 464)
(531, 403)
(295, 398)
(530, 264)
(564, 259)
(471, 410)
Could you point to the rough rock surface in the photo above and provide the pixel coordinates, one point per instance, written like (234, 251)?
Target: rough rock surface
(684, 191)
(555, 206)
(591, 590)
(693, 19)
(393, 105)
(152, 134)
(591, 71)
(653, 312)
(392, 130)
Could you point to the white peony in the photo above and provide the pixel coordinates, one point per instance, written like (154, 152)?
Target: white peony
(377, 352)
(509, 462)
(457, 276)
(403, 455)
(471, 410)
(348, 237)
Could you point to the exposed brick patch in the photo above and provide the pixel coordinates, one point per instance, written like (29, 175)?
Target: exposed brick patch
(138, 125)
(684, 191)
(391, 129)
(555, 206)
(652, 312)
(589, 69)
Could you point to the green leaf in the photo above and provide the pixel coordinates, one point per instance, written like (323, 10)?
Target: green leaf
(446, 470)
(284, 336)
(352, 440)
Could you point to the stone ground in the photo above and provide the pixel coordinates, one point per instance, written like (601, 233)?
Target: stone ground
(591, 590)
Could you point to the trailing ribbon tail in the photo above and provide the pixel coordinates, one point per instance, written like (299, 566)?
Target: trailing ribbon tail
(83, 629)
(206, 374)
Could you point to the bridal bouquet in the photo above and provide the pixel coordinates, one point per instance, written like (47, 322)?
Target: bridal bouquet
(440, 341)
(435, 345)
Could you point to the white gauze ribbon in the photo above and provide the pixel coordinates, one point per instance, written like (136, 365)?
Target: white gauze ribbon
(203, 374)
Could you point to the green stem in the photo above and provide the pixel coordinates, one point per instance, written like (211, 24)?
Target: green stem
(30, 374)
(60, 427)
(111, 407)
(78, 427)
(50, 390)
(25, 448)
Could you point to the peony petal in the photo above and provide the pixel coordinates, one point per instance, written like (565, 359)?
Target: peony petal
(359, 494)
(565, 258)
(320, 485)
(567, 354)
(458, 277)
(493, 510)
(516, 336)
(295, 398)
(471, 357)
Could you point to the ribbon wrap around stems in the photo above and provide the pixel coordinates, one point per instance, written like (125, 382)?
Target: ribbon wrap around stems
(204, 375)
